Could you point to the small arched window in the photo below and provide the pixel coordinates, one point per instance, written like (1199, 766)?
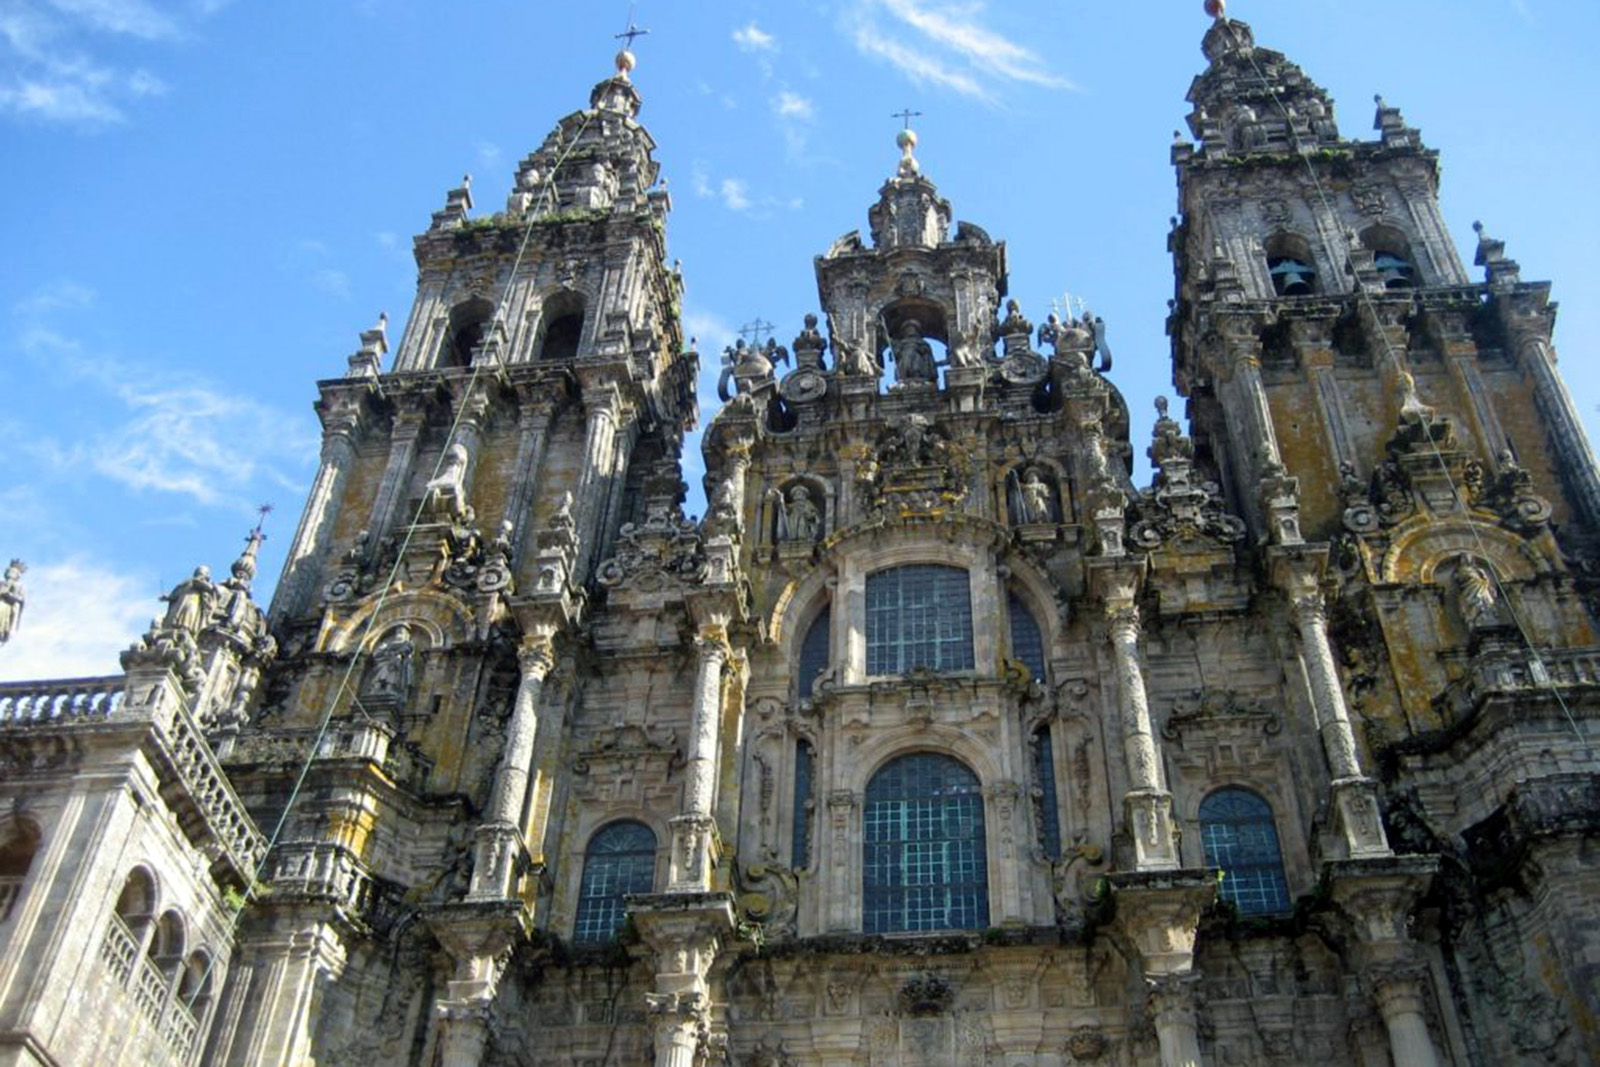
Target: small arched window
(814, 653)
(1044, 773)
(919, 617)
(925, 863)
(1240, 837)
(563, 327)
(1391, 255)
(16, 856)
(129, 920)
(804, 772)
(621, 859)
(1027, 643)
(166, 946)
(1289, 265)
(468, 321)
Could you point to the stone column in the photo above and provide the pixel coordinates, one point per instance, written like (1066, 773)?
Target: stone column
(480, 939)
(1173, 1005)
(533, 437)
(679, 1023)
(311, 538)
(277, 1025)
(499, 838)
(463, 1033)
(1148, 805)
(1400, 993)
(599, 437)
(396, 474)
(691, 830)
(1354, 794)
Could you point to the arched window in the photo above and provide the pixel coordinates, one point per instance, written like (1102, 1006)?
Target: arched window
(1239, 836)
(1289, 265)
(814, 653)
(135, 907)
(163, 960)
(468, 321)
(1391, 255)
(919, 616)
(1027, 643)
(925, 865)
(563, 327)
(621, 859)
(16, 856)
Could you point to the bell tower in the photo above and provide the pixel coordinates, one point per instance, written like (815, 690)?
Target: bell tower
(1321, 306)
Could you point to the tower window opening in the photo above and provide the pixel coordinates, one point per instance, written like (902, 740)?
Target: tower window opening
(15, 858)
(468, 323)
(1239, 835)
(1396, 271)
(1291, 277)
(925, 866)
(1391, 255)
(562, 331)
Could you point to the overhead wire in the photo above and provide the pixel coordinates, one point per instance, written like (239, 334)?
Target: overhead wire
(1536, 665)
(549, 197)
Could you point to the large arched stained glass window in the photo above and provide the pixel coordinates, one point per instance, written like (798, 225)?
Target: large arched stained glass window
(1239, 836)
(621, 859)
(919, 616)
(925, 864)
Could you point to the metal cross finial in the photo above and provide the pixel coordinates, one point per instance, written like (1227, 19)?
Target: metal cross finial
(906, 114)
(631, 32)
(752, 331)
(261, 520)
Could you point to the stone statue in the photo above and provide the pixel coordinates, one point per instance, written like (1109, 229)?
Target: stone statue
(1033, 497)
(798, 518)
(1013, 330)
(562, 519)
(1475, 596)
(913, 357)
(11, 599)
(189, 604)
(445, 496)
(808, 347)
(389, 678)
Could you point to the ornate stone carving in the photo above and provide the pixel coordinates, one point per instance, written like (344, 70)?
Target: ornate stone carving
(663, 552)
(1218, 709)
(915, 467)
(1180, 510)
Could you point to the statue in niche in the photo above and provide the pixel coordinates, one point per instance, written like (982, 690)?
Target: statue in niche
(11, 599)
(799, 518)
(389, 678)
(1474, 594)
(913, 356)
(189, 603)
(445, 495)
(1029, 498)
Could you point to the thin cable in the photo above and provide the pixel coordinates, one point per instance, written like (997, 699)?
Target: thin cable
(1400, 367)
(549, 199)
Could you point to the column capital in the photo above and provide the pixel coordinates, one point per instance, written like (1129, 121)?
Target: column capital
(536, 655)
(1122, 621)
(1310, 609)
(1174, 997)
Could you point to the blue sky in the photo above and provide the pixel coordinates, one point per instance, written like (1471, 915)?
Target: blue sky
(206, 201)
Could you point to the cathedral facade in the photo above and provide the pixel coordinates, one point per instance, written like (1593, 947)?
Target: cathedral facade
(937, 740)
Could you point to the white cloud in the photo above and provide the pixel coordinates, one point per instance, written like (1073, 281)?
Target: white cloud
(79, 616)
(956, 50)
(335, 283)
(488, 154)
(752, 38)
(791, 105)
(48, 68)
(735, 194)
(134, 18)
(178, 435)
(63, 295)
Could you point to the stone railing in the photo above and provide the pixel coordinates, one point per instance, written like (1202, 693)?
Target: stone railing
(185, 750)
(63, 700)
(1519, 670)
(150, 988)
(324, 872)
(118, 950)
(181, 1031)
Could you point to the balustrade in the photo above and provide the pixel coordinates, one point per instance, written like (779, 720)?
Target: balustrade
(59, 700)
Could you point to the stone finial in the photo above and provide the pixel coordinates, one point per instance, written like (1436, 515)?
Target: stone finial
(12, 599)
(367, 362)
(1491, 256)
(907, 140)
(457, 203)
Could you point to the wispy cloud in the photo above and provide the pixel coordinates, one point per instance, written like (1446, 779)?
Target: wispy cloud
(752, 38)
(80, 614)
(956, 50)
(735, 194)
(174, 434)
(49, 71)
(791, 105)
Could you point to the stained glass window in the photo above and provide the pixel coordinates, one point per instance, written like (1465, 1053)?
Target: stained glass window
(804, 758)
(925, 863)
(814, 653)
(1239, 836)
(1044, 769)
(1027, 643)
(621, 859)
(919, 616)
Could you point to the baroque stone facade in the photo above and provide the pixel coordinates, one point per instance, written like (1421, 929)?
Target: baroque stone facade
(938, 740)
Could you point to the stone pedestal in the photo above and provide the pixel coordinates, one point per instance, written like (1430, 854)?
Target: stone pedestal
(480, 938)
